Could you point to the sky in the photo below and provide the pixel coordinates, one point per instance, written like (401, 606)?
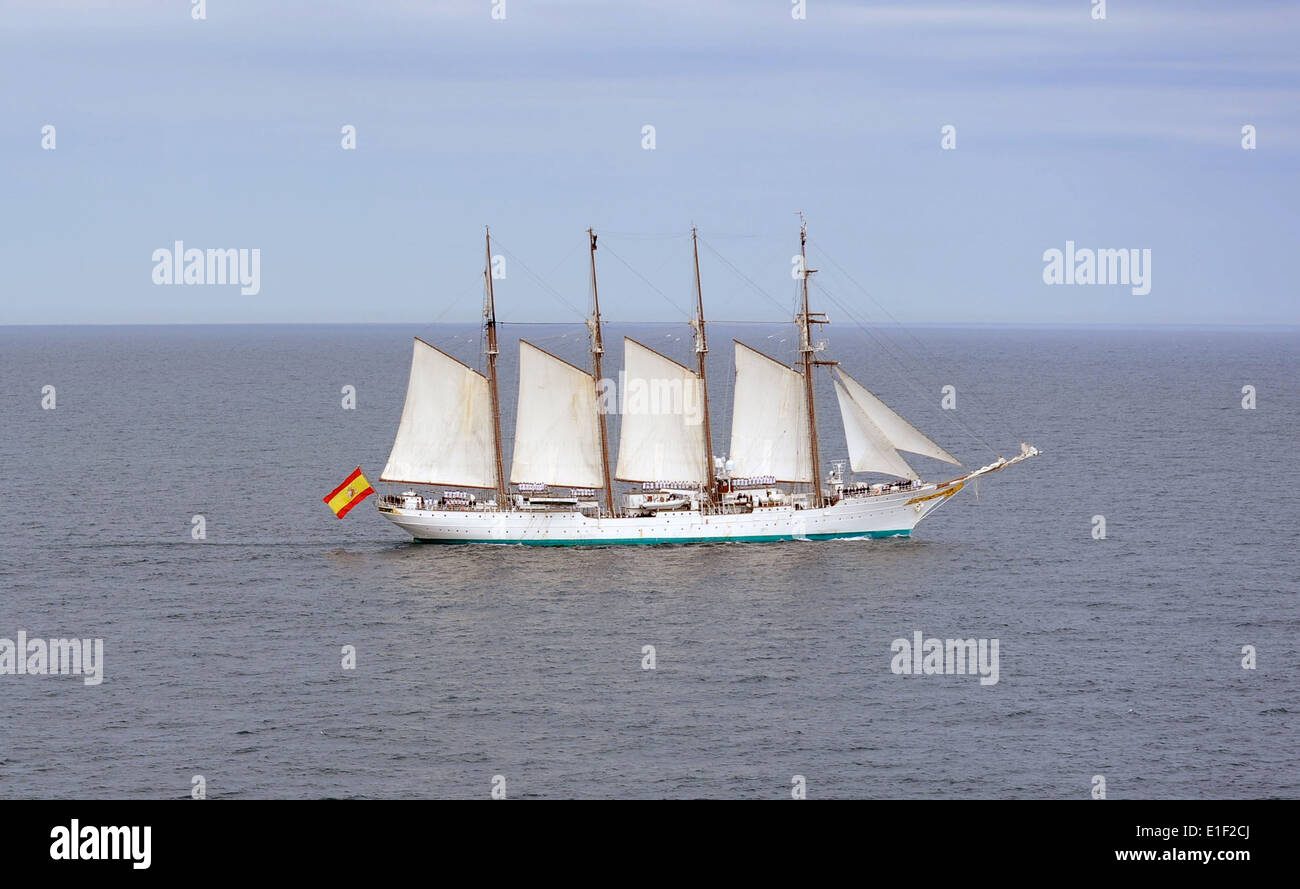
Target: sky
(226, 132)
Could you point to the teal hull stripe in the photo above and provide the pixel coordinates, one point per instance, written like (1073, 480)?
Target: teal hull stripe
(655, 541)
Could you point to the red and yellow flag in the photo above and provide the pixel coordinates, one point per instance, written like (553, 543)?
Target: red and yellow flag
(349, 494)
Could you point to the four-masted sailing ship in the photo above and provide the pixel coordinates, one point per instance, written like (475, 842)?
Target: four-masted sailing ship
(560, 490)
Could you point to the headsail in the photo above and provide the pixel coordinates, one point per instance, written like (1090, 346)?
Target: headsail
(769, 419)
(875, 433)
(445, 435)
(557, 433)
(662, 435)
(869, 449)
(901, 434)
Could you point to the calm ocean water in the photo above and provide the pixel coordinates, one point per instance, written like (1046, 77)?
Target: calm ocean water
(1118, 657)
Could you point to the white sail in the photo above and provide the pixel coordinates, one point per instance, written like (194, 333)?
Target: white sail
(769, 420)
(557, 432)
(445, 435)
(869, 448)
(662, 437)
(900, 433)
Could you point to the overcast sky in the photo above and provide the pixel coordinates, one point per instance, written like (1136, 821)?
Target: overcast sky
(225, 133)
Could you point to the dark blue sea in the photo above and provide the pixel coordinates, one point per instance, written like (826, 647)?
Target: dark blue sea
(1120, 657)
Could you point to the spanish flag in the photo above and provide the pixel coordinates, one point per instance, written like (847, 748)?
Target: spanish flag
(349, 494)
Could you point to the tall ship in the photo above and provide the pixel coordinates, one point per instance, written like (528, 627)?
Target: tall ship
(560, 491)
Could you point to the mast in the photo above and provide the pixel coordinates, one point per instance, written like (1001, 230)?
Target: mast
(702, 350)
(490, 324)
(805, 321)
(597, 353)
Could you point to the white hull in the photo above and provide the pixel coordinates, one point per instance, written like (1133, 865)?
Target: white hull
(882, 515)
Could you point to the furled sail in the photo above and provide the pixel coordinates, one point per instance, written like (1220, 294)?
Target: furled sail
(869, 448)
(900, 433)
(769, 420)
(445, 435)
(557, 430)
(663, 420)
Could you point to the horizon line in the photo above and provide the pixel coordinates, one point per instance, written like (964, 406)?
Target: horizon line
(1117, 325)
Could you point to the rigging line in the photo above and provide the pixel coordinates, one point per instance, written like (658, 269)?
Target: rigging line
(743, 323)
(565, 258)
(902, 368)
(930, 356)
(884, 344)
(659, 236)
(541, 282)
(612, 253)
(628, 323)
(671, 257)
(450, 344)
(451, 304)
(888, 350)
(555, 338)
(727, 263)
(574, 324)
